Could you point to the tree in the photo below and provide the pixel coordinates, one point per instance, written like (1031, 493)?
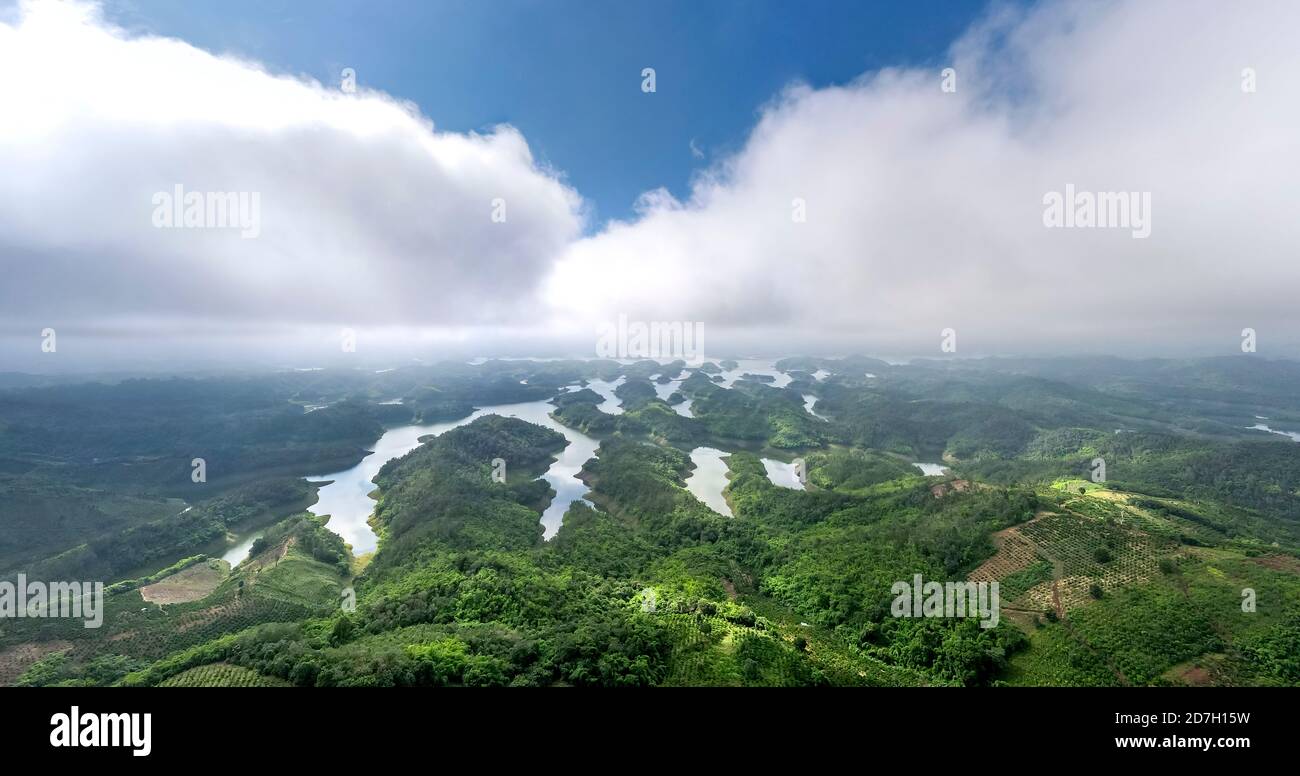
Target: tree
(304, 674)
(342, 631)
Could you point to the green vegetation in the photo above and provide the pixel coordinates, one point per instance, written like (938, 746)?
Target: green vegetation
(853, 470)
(222, 675)
(284, 583)
(1135, 634)
(1136, 580)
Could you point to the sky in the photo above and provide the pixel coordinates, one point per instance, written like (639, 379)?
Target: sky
(826, 178)
(567, 74)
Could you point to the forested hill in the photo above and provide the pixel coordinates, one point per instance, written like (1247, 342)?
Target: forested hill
(1136, 577)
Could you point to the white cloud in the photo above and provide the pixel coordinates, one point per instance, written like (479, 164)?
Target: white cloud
(924, 208)
(368, 214)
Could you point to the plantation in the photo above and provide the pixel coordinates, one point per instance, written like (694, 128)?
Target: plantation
(282, 584)
(222, 675)
(1090, 552)
(1145, 630)
(712, 651)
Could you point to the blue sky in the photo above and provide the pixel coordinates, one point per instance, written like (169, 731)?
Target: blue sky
(874, 210)
(567, 74)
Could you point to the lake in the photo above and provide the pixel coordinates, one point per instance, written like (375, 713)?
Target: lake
(784, 474)
(708, 478)
(612, 404)
(666, 390)
(346, 498)
(810, 401)
(755, 366)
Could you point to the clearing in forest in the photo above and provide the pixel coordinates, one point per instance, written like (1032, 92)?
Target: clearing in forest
(190, 584)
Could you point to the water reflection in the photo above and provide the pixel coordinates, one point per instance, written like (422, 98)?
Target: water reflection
(784, 474)
(810, 401)
(346, 499)
(931, 469)
(612, 404)
(708, 478)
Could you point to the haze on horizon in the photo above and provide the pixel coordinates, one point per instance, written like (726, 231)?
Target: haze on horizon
(921, 209)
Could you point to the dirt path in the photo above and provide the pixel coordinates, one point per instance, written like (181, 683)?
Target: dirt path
(1056, 593)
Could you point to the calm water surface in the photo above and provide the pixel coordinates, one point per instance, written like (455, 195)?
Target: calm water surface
(346, 499)
(708, 478)
(782, 473)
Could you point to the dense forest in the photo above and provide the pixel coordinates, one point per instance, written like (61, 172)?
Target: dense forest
(1133, 578)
